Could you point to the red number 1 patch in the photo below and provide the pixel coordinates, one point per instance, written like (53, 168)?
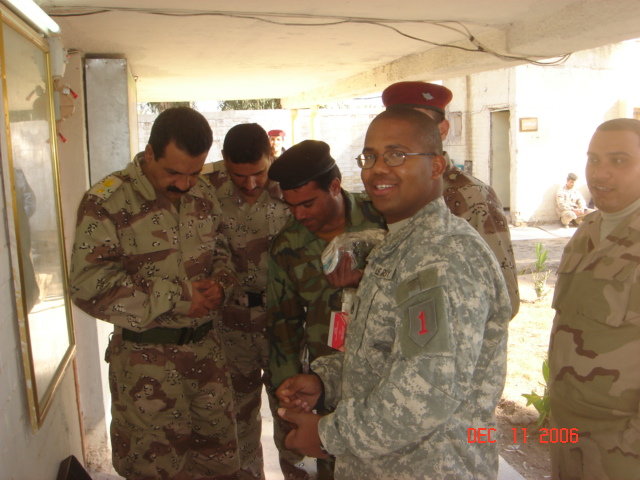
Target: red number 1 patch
(423, 324)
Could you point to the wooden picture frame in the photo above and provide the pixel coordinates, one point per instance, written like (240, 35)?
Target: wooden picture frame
(529, 124)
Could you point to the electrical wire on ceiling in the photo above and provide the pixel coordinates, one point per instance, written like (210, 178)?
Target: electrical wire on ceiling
(328, 20)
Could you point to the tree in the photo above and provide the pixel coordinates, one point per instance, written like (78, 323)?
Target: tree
(253, 104)
(159, 107)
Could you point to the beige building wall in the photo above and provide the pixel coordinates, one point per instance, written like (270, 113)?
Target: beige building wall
(26, 454)
(342, 128)
(568, 102)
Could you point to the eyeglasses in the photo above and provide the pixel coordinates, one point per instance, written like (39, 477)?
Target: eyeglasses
(393, 158)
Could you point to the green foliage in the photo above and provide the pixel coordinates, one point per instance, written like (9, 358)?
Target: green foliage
(253, 104)
(540, 271)
(541, 257)
(159, 107)
(541, 402)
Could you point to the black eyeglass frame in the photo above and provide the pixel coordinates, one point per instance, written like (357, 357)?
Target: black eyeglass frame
(393, 158)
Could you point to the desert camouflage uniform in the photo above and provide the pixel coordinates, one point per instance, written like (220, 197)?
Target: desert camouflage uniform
(568, 200)
(300, 299)
(594, 353)
(249, 229)
(476, 202)
(134, 258)
(425, 357)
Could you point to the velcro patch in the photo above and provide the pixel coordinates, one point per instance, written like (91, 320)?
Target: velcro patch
(105, 187)
(423, 322)
(421, 299)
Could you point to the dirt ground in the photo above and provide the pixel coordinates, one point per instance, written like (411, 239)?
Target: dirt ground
(528, 343)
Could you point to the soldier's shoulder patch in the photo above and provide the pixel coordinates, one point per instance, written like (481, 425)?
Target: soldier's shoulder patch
(105, 187)
(421, 299)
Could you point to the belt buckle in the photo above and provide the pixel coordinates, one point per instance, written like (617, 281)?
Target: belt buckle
(243, 300)
(186, 335)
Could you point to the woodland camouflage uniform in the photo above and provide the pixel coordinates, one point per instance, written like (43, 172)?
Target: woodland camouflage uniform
(134, 258)
(300, 299)
(594, 357)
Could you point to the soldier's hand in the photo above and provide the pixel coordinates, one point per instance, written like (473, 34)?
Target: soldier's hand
(213, 291)
(344, 275)
(204, 297)
(304, 437)
(300, 392)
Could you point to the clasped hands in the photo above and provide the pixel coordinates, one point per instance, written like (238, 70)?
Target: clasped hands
(298, 395)
(206, 295)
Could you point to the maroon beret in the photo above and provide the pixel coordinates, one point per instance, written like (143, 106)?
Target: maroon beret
(276, 133)
(417, 94)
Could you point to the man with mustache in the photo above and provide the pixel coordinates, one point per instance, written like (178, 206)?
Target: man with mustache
(594, 360)
(425, 356)
(147, 257)
(300, 298)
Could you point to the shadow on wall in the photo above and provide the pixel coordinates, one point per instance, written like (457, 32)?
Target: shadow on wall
(545, 212)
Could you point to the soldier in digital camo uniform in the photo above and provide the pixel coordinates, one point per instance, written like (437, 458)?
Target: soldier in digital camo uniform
(594, 352)
(147, 257)
(425, 356)
(252, 213)
(466, 196)
(300, 298)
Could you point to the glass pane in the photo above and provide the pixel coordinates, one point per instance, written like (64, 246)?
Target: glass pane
(37, 230)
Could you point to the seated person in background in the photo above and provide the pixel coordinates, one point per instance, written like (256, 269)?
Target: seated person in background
(570, 204)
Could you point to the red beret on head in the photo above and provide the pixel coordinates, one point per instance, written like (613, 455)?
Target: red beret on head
(417, 94)
(276, 133)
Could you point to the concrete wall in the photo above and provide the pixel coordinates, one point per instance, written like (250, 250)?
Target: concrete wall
(342, 128)
(91, 334)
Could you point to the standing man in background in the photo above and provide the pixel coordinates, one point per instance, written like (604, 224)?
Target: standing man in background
(425, 355)
(300, 299)
(147, 257)
(594, 352)
(276, 138)
(466, 196)
(252, 213)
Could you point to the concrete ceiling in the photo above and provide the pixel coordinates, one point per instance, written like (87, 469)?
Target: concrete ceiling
(312, 52)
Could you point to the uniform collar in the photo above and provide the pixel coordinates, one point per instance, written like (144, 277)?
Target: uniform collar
(228, 189)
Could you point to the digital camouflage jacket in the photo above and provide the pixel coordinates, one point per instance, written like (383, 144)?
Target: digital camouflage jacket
(425, 357)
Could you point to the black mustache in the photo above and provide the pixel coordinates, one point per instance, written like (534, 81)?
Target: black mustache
(171, 188)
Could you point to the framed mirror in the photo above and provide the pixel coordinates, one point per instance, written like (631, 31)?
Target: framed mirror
(30, 178)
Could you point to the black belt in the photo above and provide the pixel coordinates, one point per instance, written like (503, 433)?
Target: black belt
(251, 299)
(176, 336)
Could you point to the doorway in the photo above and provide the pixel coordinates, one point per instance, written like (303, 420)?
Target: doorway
(500, 161)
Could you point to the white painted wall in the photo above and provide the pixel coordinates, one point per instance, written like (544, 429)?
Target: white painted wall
(569, 101)
(25, 455)
(342, 128)
(91, 334)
